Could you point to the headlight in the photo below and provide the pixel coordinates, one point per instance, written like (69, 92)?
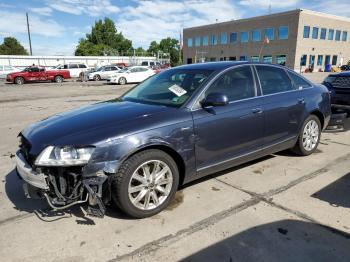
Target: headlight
(64, 156)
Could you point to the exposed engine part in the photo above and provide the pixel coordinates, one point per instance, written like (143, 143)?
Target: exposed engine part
(94, 188)
(50, 202)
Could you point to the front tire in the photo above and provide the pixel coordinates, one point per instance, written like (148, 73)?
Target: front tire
(122, 81)
(19, 80)
(58, 79)
(97, 77)
(145, 184)
(309, 137)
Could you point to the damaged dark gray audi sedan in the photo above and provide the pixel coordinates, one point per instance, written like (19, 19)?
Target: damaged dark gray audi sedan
(173, 128)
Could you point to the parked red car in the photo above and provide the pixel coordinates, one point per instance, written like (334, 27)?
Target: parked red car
(37, 73)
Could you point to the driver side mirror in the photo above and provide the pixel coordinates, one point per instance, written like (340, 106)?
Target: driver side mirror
(215, 99)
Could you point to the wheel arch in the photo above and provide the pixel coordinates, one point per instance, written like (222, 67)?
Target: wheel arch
(171, 152)
(320, 116)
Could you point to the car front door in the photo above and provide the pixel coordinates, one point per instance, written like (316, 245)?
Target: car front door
(34, 74)
(283, 107)
(228, 135)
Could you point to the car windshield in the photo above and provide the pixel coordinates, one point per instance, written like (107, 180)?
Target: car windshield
(123, 70)
(170, 88)
(100, 69)
(26, 69)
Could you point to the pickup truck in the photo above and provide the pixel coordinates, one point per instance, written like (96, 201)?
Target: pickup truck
(37, 73)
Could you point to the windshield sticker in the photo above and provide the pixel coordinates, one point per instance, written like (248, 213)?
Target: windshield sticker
(177, 90)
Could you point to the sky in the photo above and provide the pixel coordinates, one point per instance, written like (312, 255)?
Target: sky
(57, 25)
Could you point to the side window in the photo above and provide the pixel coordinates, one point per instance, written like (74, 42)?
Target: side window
(73, 66)
(34, 69)
(107, 68)
(298, 81)
(65, 67)
(42, 69)
(82, 66)
(273, 80)
(143, 69)
(236, 84)
(134, 70)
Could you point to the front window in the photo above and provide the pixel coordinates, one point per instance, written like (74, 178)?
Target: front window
(197, 41)
(189, 42)
(337, 35)
(213, 40)
(233, 37)
(281, 60)
(283, 32)
(323, 33)
(223, 38)
(306, 31)
(169, 88)
(269, 33)
(345, 36)
(330, 34)
(205, 40)
(314, 32)
(267, 59)
(244, 37)
(256, 35)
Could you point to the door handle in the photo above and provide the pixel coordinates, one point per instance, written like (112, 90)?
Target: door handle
(257, 111)
(301, 100)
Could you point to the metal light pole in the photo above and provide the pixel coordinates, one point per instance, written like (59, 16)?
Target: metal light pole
(30, 41)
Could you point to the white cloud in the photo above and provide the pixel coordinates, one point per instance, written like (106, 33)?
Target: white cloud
(45, 11)
(265, 3)
(89, 7)
(13, 22)
(332, 7)
(154, 20)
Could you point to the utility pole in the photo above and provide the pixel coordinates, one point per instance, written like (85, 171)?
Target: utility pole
(30, 41)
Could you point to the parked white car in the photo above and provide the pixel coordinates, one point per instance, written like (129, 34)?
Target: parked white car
(4, 70)
(104, 72)
(133, 74)
(74, 69)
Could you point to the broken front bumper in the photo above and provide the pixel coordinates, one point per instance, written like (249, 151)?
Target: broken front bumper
(28, 174)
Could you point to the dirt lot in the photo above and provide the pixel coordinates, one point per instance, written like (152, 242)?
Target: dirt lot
(281, 207)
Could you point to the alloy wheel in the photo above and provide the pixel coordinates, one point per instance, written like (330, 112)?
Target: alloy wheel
(150, 185)
(310, 135)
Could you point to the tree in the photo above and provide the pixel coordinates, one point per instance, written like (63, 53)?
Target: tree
(11, 46)
(153, 48)
(167, 46)
(104, 39)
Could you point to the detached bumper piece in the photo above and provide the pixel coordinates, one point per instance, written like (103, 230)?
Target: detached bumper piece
(339, 122)
(62, 188)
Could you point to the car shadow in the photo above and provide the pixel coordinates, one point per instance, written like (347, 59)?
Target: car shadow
(285, 240)
(39, 207)
(336, 193)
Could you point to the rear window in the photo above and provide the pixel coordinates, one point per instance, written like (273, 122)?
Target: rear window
(273, 80)
(144, 63)
(298, 81)
(73, 66)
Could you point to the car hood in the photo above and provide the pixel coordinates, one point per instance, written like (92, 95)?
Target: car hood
(90, 124)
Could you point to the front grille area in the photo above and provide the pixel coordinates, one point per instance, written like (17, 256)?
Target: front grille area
(341, 82)
(25, 147)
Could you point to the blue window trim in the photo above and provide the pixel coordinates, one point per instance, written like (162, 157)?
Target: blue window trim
(330, 34)
(258, 31)
(315, 31)
(279, 32)
(306, 32)
(231, 38)
(273, 33)
(247, 34)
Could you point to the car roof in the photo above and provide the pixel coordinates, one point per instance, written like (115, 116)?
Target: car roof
(222, 65)
(341, 74)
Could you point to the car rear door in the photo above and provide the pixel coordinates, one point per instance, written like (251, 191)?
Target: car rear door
(283, 106)
(226, 135)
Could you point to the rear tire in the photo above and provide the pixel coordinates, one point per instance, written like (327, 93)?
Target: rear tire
(145, 184)
(309, 137)
(122, 81)
(58, 79)
(19, 80)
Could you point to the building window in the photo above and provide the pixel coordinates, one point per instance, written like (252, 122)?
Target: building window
(223, 38)
(327, 60)
(256, 35)
(197, 41)
(244, 37)
(205, 40)
(337, 35)
(319, 60)
(189, 42)
(334, 60)
(267, 59)
(323, 33)
(233, 37)
(269, 33)
(303, 60)
(306, 31)
(213, 40)
(281, 59)
(254, 58)
(212, 59)
(232, 58)
(283, 32)
(345, 36)
(312, 60)
(330, 34)
(243, 58)
(314, 32)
